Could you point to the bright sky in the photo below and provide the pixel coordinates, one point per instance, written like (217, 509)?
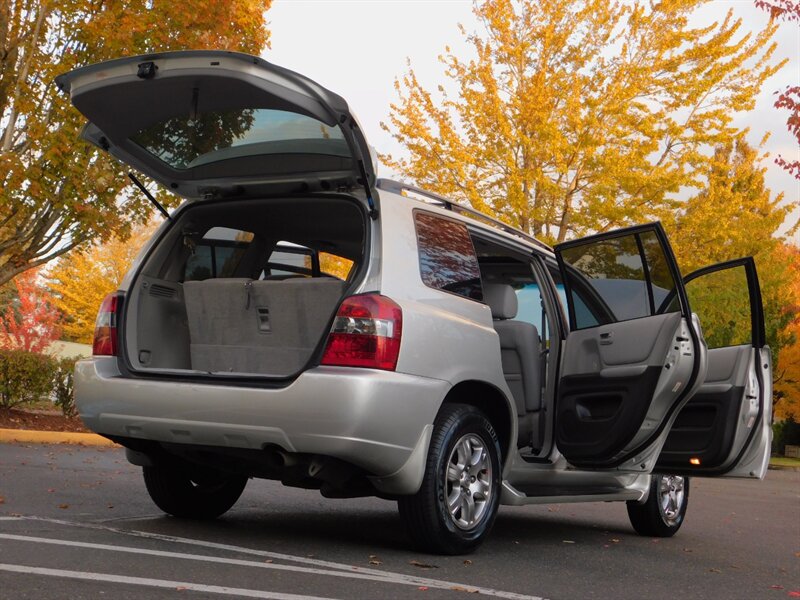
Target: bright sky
(358, 47)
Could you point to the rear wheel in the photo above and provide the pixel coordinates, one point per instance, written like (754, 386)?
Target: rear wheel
(662, 514)
(455, 508)
(196, 495)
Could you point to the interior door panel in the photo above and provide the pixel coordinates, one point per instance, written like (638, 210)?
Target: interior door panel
(706, 427)
(725, 425)
(607, 386)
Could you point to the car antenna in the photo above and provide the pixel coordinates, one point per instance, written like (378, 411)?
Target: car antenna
(150, 196)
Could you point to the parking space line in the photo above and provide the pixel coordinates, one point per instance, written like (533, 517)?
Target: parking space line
(388, 576)
(157, 583)
(203, 558)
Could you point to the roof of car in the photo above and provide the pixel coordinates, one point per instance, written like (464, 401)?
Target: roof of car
(430, 199)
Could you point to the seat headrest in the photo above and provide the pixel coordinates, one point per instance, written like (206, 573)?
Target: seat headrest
(502, 299)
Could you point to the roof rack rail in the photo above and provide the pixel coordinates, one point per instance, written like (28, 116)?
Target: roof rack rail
(399, 187)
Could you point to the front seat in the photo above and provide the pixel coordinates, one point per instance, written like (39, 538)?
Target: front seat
(519, 352)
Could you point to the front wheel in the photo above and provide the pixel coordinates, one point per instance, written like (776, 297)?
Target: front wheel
(662, 514)
(199, 495)
(455, 508)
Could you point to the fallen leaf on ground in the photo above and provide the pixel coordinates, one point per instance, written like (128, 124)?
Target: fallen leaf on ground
(614, 541)
(794, 594)
(423, 588)
(468, 562)
(375, 562)
(269, 560)
(2, 500)
(776, 587)
(688, 550)
(458, 588)
(421, 565)
(715, 570)
(63, 506)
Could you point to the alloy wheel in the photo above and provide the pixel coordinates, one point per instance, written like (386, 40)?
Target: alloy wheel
(468, 481)
(671, 493)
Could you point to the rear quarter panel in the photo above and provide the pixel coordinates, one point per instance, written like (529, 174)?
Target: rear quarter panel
(445, 336)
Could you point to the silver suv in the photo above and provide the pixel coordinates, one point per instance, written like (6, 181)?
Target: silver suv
(299, 319)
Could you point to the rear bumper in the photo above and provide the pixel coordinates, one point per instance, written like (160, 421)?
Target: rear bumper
(376, 420)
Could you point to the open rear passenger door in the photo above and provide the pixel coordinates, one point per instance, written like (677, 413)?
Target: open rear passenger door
(633, 356)
(725, 429)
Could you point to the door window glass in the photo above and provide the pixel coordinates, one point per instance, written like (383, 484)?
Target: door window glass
(199, 266)
(660, 275)
(583, 314)
(721, 300)
(289, 260)
(336, 266)
(617, 278)
(447, 259)
(217, 254)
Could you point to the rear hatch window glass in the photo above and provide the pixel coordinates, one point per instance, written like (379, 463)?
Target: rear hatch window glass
(189, 141)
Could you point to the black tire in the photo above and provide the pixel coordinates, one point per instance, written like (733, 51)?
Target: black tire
(425, 515)
(652, 518)
(199, 495)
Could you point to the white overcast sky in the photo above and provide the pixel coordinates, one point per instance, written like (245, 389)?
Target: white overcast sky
(358, 47)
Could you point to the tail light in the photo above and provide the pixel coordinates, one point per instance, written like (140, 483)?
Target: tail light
(365, 333)
(105, 328)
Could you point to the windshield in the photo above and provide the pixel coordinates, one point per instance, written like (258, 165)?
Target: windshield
(186, 142)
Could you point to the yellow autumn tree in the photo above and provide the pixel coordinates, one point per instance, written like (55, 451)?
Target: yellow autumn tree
(56, 192)
(80, 280)
(735, 215)
(579, 115)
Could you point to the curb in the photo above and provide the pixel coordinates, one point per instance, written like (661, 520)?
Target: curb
(54, 437)
(782, 468)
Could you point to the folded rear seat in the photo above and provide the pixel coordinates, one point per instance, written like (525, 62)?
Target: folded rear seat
(259, 327)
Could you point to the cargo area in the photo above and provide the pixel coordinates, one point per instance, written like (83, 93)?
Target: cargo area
(245, 287)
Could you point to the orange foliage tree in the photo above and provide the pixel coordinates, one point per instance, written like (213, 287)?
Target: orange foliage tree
(56, 192)
(80, 280)
(787, 370)
(30, 323)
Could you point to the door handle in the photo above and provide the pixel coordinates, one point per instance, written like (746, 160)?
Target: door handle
(606, 338)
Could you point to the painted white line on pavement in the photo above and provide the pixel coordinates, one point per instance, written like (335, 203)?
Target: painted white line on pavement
(390, 576)
(10, 518)
(157, 583)
(204, 558)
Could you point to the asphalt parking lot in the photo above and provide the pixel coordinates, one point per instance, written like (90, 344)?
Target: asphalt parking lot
(77, 523)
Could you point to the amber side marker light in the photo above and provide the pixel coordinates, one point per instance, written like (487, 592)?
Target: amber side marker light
(694, 461)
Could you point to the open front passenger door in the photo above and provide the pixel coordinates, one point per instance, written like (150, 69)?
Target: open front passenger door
(725, 429)
(633, 356)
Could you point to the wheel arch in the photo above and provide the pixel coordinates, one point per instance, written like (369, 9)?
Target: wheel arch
(493, 403)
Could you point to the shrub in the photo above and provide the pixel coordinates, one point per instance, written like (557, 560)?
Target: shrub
(25, 377)
(786, 432)
(63, 393)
